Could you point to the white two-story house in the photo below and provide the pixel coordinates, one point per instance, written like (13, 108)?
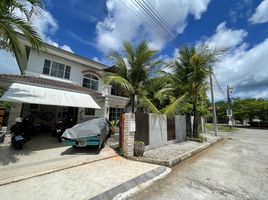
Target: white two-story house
(56, 84)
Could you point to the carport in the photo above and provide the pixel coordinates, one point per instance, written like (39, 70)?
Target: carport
(51, 100)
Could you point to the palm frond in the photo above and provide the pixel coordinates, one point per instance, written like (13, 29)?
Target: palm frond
(119, 82)
(120, 66)
(164, 93)
(172, 109)
(147, 105)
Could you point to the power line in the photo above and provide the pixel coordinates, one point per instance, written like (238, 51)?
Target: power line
(147, 15)
(218, 85)
(139, 15)
(162, 20)
(156, 18)
(152, 19)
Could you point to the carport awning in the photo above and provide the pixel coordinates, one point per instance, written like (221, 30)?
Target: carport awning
(24, 93)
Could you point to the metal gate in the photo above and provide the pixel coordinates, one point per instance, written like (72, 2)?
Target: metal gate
(171, 129)
(142, 127)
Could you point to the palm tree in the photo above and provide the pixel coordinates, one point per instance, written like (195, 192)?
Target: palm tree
(11, 24)
(189, 75)
(131, 70)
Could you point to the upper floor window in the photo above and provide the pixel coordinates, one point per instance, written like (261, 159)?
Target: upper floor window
(91, 81)
(117, 92)
(56, 69)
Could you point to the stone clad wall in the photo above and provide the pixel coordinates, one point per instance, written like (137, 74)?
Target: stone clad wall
(128, 135)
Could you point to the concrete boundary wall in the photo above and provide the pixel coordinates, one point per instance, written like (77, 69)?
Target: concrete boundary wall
(158, 130)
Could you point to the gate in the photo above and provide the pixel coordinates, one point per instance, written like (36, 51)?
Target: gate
(171, 129)
(142, 127)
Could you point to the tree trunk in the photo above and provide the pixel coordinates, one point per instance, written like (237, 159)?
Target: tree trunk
(189, 125)
(133, 103)
(195, 125)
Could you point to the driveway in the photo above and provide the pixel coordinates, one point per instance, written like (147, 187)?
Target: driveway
(236, 168)
(44, 154)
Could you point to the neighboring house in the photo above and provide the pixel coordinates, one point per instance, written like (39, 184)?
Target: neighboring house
(73, 83)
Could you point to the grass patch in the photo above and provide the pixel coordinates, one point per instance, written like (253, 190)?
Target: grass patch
(221, 128)
(200, 139)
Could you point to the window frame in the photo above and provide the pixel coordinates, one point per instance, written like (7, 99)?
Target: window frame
(54, 69)
(91, 80)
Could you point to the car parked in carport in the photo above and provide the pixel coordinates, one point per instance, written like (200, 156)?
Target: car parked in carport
(90, 133)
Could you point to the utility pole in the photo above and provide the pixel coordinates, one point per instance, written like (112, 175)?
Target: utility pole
(229, 110)
(213, 103)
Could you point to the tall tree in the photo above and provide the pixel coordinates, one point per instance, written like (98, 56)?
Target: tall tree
(11, 23)
(189, 73)
(131, 70)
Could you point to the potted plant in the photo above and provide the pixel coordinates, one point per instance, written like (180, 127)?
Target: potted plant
(139, 148)
(114, 126)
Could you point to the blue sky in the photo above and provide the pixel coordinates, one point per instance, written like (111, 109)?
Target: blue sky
(95, 28)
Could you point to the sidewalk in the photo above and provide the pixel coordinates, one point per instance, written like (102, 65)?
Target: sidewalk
(17, 172)
(105, 179)
(172, 154)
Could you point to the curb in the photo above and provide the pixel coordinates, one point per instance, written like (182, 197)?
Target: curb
(179, 158)
(134, 185)
(28, 176)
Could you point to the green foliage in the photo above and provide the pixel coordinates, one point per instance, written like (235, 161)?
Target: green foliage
(243, 109)
(200, 139)
(10, 23)
(114, 123)
(138, 142)
(4, 104)
(249, 109)
(131, 70)
(188, 76)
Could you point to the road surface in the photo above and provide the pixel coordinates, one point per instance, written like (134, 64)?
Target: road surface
(236, 168)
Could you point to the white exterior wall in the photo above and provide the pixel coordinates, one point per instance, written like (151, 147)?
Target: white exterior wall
(35, 67)
(36, 64)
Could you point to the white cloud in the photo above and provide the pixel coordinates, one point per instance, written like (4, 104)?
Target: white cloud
(8, 63)
(225, 37)
(46, 26)
(122, 25)
(261, 13)
(243, 68)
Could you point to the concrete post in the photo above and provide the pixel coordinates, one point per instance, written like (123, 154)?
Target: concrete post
(129, 134)
(15, 112)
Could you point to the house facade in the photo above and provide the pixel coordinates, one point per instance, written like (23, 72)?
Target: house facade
(65, 76)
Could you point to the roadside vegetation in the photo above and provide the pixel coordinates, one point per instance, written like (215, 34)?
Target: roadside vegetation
(221, 128)
(11, 23)
(244, 110)
(170, 88)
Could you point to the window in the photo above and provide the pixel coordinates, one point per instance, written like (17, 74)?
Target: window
(46, 68)
(56, 69)
(115, 113)
(91, 81)
(117, 92)
(90, 111)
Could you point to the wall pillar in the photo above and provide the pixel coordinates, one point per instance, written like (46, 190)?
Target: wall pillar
(180, 122)
(15, 112)
(128, 134)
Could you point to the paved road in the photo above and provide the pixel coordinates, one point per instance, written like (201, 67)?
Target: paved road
(236, 168)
